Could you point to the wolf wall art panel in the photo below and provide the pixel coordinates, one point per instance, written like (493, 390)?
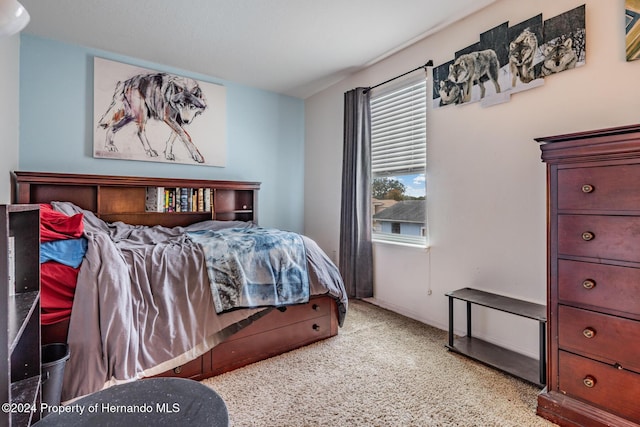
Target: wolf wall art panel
(564, 45)
(141, 114)
(523, 54)
(510, 59)
(632, 29)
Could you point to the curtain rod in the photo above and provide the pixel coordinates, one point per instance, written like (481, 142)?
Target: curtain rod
(429, 63)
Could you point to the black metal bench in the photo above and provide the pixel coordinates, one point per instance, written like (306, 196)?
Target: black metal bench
(508, 361)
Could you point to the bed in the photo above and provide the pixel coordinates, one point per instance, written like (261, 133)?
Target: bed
(145, 303)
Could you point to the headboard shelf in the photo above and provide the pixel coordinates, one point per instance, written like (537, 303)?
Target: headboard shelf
(124, 198)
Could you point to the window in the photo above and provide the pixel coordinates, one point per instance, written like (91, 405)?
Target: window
(395, 227)
(398, 163)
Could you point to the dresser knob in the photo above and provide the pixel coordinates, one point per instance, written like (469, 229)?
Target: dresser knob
(316, 327)
(589, 381)
(177, 369)
(587, 188)
(315, 307)
(587, 235)
(589, 333)
(589, 284)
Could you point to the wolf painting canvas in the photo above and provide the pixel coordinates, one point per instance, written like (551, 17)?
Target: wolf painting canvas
(141, 114)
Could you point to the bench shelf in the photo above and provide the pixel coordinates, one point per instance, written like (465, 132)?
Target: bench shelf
(510, 362)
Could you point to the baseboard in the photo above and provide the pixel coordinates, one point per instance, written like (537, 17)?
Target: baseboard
(407, 313)
(445, 327)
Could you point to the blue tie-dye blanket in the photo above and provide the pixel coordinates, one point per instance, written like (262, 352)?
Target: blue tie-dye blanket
(254, 267)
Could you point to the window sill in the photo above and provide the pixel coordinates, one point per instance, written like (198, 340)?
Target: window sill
(424, 246)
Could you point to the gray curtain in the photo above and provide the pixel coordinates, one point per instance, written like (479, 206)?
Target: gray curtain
(356, 254)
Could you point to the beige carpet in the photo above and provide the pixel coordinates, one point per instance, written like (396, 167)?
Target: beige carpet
(381, 370)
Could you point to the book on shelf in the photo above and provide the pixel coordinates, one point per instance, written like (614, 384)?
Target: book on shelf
(207, 200)
(184, 200)
(154, 201)
(179, 199)
(200, 199)
(168, 200)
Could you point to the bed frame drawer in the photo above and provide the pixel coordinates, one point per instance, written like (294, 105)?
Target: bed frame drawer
(297, 326)
(278, 318)
(233, 354)
(192, 369)
(316, 307)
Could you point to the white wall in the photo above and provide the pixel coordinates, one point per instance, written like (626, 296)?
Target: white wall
(486, 183)
(9, 99)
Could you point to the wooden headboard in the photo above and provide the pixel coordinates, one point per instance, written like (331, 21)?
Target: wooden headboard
(123, 198)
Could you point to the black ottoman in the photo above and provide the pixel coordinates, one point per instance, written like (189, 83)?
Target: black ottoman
(146, 402)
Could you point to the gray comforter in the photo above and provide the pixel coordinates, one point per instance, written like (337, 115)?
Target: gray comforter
(143, 302)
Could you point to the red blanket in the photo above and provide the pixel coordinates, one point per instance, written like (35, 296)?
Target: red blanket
(58, 226)
(57, 281)
(58, 285)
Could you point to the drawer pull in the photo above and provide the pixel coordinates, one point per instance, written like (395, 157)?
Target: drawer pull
(589, 333)
(589, 284)
(316, 327)
(587, 235)
(587, 188)
(177, 369)
(315, 307)
(589, 381)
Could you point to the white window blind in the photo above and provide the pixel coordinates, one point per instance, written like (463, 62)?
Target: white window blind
(398, 130)
(398, 153)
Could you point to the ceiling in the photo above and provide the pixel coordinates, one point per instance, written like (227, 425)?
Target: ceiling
(293, 47)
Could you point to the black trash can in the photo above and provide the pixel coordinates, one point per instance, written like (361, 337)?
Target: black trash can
(54, 358)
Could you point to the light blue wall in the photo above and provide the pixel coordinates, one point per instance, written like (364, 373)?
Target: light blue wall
(265, 130)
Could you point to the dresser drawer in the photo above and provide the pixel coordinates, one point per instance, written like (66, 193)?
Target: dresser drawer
(598, 236)
(600, 188)
(615, 390)
(612, 339)
(607, 286)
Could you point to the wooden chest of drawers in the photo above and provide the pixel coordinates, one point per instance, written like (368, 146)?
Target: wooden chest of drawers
(593, 299)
